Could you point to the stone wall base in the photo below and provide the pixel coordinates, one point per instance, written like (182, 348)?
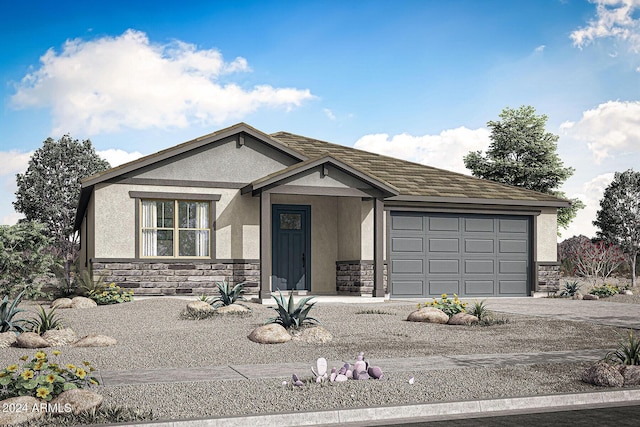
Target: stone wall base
(548, 278)
(356, 278)
(175, 278)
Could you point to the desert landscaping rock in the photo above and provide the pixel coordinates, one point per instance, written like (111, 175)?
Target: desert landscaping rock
(83, 302)
(233, 309)
(80, 400)
(631, 374)
(603, 374)
(590, 297)
(7, 339)
(626, 292)
(95, 340)
(462, 319)
(25, 404)
(62, 303)
(312, 335)
(60, 337)
(428, 314)
(197, 307)
(30, 340)
(272, 333)
(578, 296)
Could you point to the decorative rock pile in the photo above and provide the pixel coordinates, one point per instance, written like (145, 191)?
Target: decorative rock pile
(54, 338)
(360, 370)
(604, 374)
(435, 315)
(274, 333)
(76, 302)
(202, 307)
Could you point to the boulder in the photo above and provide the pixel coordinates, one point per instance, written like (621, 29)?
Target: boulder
(603, 374)
(31, 340)
(626, 292)
(62, 303)
(428, 314)
(233, 309)
(19, 410)
(83, 302)
(312, 335)
(462, 319)
(78, 399)
(271, 333)
(94, 340)
(577, 296)
(590, 297)
(7, 339)
(59, 337)
(631, 374)
(198, 307)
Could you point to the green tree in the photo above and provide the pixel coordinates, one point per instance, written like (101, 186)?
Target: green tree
(25, 258)
(619, 216)
(523, 154)
(49, 190)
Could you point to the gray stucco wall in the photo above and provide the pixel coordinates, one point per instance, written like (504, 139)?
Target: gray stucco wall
(547, 236)
(349, 233)
(335, 179)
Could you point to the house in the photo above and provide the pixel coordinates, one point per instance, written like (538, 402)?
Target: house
(288, 212)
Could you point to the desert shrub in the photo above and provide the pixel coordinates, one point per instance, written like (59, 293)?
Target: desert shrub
(605, 290)
(88, 285)
(8, 310)
(228, 295)
(44, 321)
(628, 351)
(291, 315)
(448, 305)
(112, 294)
(570, 289)
(41, 379)
(480, 310)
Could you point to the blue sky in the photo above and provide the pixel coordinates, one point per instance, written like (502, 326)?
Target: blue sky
(414, 79)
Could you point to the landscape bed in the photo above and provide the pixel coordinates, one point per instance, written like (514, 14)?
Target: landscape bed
(152, 334)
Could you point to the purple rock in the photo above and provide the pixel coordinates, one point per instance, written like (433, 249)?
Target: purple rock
(359, 366)
(340, 378)
(333, 376)
(295, 378)
(360, 356)
(349, 373)
(375, 372)
(362, 375)
(298, 383)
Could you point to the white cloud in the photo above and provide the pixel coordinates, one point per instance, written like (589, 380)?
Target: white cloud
(592, 192)
(329, 114)
(615, 19)
(12, 162)
(444, 151)
(110, 83)
(539, 49)
(610, 127)
(117, 157)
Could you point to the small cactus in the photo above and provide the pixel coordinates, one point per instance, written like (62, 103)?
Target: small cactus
(321, 364)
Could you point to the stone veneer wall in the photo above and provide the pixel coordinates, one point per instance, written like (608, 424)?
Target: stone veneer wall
(171, 278)
(548, 278)
(356, 278)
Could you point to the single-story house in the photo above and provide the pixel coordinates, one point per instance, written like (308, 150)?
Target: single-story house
(287, 212)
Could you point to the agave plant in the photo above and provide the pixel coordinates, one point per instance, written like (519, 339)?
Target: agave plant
(228, 295)
(291, 315)
(44, 321)
(480, 310)
(628, 352)
(8, 311)
(570, 289)
(89, 285)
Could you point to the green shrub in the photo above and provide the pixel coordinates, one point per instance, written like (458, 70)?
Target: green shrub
(88, 285)
(8, 311)
(112, 294)
(605, 290)
(292, 315)
(628, 351)
(480, 310)
(44, 321)
(227, 295)
(449, 306)
(570, 289)
(41, 379)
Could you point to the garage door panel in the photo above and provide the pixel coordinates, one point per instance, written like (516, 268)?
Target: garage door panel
(479, 266)
(479, 246)
(513, 287)
(485, 225)
(408, 287)
(513, 226)
(512, 267)
(444, 266)
(513, 246)
(403, 222)
(444, 245)
(407, 244)
(439, 287)
(444, 224)
(407, 266)
(479, 287)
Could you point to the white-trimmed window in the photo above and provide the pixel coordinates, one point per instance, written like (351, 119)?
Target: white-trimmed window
(175, 228)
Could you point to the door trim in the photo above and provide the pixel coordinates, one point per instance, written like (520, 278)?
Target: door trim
(276, 209)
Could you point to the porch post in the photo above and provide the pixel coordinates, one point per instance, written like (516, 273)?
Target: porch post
(265, 245)
(378, 248)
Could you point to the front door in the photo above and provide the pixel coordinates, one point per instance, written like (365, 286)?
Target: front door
(291, 247)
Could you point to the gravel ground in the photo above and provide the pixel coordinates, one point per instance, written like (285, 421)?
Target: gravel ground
(151, 334)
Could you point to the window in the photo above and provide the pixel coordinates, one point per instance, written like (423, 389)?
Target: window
(175, 228)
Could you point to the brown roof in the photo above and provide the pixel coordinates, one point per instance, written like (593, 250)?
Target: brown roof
(414, 179)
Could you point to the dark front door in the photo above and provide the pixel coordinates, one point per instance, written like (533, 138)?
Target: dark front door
(291, 247)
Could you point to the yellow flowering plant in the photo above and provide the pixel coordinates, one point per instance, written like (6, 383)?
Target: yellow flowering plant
(112, 294)
(448, 305)
(43, 379)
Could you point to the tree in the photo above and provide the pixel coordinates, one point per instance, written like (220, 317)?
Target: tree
(523, 154)
(48, 192)
(596, 260)
(619, 216)
(24, 258)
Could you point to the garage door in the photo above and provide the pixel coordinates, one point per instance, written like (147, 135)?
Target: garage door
(469, 255)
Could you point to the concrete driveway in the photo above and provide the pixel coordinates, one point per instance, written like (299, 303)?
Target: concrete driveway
(601, 312)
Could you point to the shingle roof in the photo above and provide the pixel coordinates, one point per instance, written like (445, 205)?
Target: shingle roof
(414, 179)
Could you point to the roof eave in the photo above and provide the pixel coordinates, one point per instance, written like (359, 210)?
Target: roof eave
(559, 203)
